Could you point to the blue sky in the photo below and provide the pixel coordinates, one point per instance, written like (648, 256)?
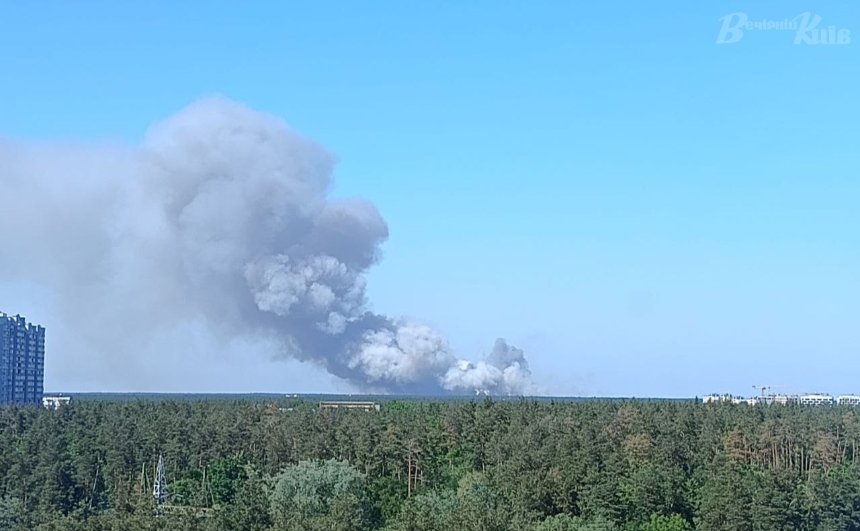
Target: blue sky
(645, 211)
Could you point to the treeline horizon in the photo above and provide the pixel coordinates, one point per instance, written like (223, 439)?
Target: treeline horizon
(483, 464)
(268, 397)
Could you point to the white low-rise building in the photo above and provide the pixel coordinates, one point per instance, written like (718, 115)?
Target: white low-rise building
(810, 399)
(848, 400)
(782, 400)
(55, 402)
(729, 399)
(714, 399)
(815, 399)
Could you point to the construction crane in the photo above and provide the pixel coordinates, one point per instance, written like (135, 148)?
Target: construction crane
(763, 389)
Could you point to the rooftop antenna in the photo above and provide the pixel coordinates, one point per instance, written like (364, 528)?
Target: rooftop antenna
(159, 490)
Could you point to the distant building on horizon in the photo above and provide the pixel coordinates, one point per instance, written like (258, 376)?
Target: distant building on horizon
(848, 400)
(815, 399)
(349, 404)
(22, 361)
(810, 399)
(55, 402)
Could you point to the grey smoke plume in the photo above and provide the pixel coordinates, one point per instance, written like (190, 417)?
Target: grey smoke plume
(222, 215)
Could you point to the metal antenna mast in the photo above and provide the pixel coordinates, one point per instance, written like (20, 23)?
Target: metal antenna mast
(159, 490)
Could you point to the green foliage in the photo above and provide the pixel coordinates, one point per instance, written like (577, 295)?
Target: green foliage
(725, 499)
(185, 491)
(388, 495)
(225, 479)
(565, 522)
(558, 522)
(249, 510)
(416, 465)
(479, 506)
(429, 511)
(319, 495)
(10, 512)
(660, 522)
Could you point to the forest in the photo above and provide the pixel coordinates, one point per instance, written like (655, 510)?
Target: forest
(430, 465)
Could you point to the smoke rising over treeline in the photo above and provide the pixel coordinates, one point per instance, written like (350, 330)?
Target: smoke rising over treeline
(223, 214)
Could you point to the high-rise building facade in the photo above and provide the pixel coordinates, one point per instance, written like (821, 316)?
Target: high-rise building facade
(22, 361)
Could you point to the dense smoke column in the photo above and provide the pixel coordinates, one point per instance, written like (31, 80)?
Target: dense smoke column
(224, 214)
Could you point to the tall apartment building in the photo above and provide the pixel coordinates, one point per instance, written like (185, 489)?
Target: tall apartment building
(22, 361)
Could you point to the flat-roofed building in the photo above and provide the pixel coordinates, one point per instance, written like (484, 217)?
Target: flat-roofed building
(55, 402)
(815, 399)
(349, 404)
(782, 400)
(848, 400)
(715, 399)
(748, 401)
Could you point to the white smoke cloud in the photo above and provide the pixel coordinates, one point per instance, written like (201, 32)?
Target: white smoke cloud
(402, 353)
(505, 371)
(223, 214)
(319, 285)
